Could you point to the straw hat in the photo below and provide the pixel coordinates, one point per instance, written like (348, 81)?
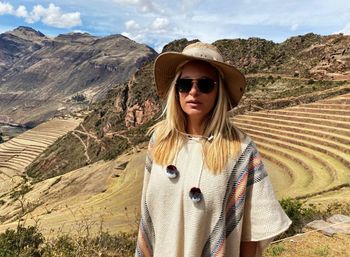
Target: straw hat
(166, 64)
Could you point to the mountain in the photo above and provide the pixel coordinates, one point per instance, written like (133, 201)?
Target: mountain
(42, 76)
(121, 120)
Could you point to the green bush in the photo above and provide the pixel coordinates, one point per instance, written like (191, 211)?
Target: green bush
(62, 246)
(29, 242)
(23, 242)
(299, 214)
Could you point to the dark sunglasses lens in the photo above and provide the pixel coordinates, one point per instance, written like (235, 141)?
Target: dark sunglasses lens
(206, 85)
(184, 85)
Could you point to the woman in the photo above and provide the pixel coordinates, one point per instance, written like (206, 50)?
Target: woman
(205, 191)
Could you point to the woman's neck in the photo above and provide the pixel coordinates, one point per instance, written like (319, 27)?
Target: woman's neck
(195, 127)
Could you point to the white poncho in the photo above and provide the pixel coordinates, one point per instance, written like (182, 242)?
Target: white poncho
(238, 205)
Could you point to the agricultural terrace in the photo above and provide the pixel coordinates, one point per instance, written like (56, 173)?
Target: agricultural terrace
(17, 153)
(305, 148)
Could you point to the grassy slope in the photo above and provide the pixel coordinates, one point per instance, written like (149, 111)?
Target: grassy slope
(103, 192)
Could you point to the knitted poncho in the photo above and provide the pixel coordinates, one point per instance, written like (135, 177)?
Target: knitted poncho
(237, 205)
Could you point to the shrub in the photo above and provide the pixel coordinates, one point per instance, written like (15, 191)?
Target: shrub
(299, 215)
(79, 98)
(23, 242)
(62, 246)
(29, 242)
(22, 191)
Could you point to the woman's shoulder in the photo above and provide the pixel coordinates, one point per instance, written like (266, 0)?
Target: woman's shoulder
(244, 138)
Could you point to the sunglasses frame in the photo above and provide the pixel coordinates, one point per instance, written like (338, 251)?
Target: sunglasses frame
(203, 88)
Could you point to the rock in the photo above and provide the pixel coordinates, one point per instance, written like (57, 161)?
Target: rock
(323, 226)
(338, 218)
(344, 226)
(137, 115)
(329, 227)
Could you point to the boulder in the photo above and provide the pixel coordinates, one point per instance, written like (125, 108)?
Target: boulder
(335, 224)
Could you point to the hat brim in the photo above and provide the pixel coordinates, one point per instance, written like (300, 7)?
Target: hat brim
(165, 70)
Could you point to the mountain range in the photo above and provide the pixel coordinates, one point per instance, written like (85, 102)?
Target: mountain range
(44, 76)
(107, 83)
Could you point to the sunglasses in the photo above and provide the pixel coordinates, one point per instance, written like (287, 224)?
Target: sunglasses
(204, 85)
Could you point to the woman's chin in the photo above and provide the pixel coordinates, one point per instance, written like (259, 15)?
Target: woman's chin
(196, 114)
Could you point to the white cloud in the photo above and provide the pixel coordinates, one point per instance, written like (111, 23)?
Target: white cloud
(294, 27)
(156, 22)
(160, 23)
(21, 11)
(51, 16)
(126, 34)
(187, 5)
(132, 25)
(345, 30)
(5, 8)
(156, 31)
(145, 6)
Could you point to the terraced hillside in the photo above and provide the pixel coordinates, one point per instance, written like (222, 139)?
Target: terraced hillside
(306, 148)
(17, 153)
(105, 193)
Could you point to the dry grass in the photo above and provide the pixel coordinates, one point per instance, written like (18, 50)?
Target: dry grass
(311, 245)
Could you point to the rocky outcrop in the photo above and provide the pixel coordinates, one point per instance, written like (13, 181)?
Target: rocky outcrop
(139, 114)
(335, 64)
(313, 56)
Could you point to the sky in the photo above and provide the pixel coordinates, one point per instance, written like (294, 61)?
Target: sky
(156, 23)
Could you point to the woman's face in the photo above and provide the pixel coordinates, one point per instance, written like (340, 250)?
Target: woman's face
(196, 104)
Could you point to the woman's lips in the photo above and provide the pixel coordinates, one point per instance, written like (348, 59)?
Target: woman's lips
(194, 103)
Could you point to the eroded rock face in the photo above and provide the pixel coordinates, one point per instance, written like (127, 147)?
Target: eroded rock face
(138, 114)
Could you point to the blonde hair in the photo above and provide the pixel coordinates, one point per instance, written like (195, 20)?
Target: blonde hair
(170, 133)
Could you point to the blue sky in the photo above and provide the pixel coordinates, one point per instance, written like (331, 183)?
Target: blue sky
(156, 22)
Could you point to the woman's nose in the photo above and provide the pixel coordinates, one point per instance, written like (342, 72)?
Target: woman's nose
(194, 89)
